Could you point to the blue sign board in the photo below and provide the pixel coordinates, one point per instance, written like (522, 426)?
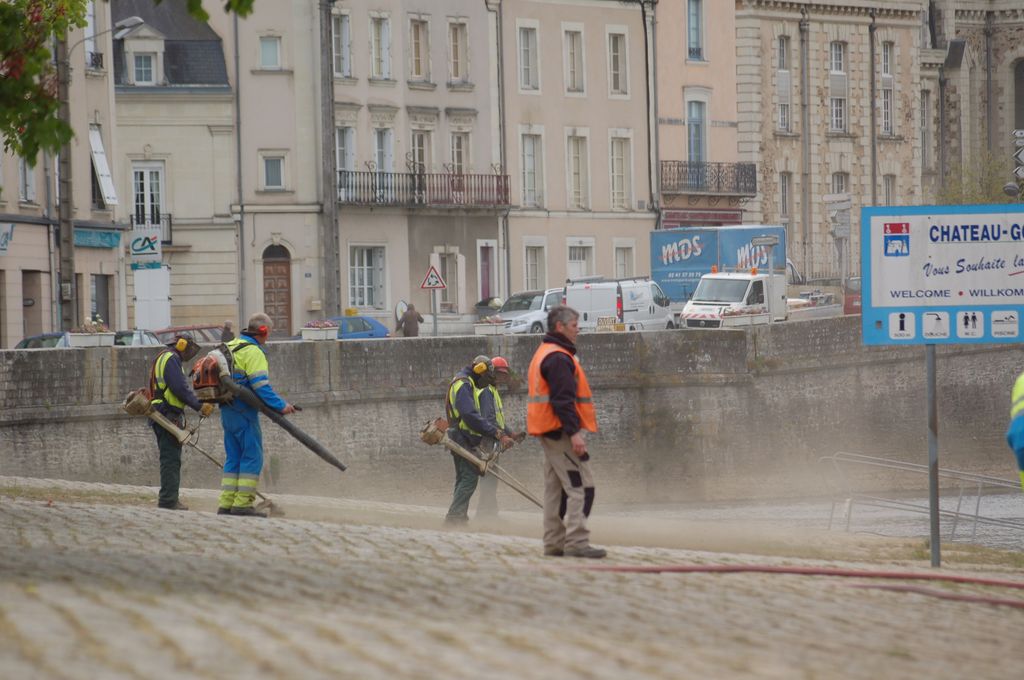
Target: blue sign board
(942, 274)
(96, 238)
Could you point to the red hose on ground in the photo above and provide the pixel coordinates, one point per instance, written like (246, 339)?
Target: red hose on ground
(802, 571)
(831, 571)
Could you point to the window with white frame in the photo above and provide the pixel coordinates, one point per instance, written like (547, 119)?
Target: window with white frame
(926, 129)
(576, 148)
(147, 193)
(341, 39)
(421, 151)
(384, 149)
(459, 152)
(380, 48)
(448, 268)
(840, 182)
(273, 170)
(785, 194)
(345, 153)
(532, 171)
(533, 263)
(270, 52)
(90, 36)
(889, 190)
(887, 93)
(366, 276)
(696, 125)
(458, 52)
(529, 69)
(574, 79)
(617, 61)
(695, 29)
(26, 182)
(623, 262)
(581, 261)
(783, 84)
(837, 87)
(620, 175)
(419, 49)
(144, 72)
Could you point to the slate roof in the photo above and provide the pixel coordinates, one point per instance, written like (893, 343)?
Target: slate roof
(193, 52)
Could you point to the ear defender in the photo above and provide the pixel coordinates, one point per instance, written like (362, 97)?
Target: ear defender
(181, 345)
(263, 330)
(480, 368)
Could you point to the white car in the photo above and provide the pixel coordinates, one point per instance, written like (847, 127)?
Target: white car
(527, 312)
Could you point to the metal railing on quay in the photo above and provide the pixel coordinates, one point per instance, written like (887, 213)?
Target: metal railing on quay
(845, 493)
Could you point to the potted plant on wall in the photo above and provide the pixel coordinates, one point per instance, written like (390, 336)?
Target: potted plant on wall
(321, 329)
(92, 333)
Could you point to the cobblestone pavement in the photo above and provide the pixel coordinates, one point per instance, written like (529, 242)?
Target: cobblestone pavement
(103, 589)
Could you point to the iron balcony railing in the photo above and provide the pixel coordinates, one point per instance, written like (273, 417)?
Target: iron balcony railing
(720, 179)
(161, 221)
(441, 190)
(94, 60)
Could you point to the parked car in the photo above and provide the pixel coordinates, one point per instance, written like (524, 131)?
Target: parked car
(43, 341)
(360, 327)
(135, 337)
(639, 303)
(851, 295)
(201, 333)
(129, 338)
(527, 312)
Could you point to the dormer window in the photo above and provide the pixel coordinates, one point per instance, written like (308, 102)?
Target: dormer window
(145, 68)
(143, 56)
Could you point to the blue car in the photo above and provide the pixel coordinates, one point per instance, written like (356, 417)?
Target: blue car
(360, 327)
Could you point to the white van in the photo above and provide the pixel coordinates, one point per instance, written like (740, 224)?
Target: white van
(639, 303)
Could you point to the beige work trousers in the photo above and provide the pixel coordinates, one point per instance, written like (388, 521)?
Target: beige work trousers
(568, 495)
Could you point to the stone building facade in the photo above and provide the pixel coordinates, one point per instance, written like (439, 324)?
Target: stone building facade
(818, 122)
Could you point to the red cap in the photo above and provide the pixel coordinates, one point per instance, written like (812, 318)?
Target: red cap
(500, 364)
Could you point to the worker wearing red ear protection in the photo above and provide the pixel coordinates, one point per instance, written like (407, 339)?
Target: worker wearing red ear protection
(492, 409)
(468, 427)
(243, 438)
(171, 393)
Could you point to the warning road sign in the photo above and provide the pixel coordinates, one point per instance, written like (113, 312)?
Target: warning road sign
(433, 280)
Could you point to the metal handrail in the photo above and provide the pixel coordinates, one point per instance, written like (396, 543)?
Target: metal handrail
(964, 480)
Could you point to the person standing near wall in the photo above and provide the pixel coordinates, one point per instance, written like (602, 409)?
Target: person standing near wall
(493, 411)
(559, 407)
(409, 323)
(467, 427)
(243, 438)
(1015, 435)
(171, 393)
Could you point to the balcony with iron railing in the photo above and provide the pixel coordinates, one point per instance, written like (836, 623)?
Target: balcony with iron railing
(713, 179)
(423, 189)
(94, 61)
(161, 221)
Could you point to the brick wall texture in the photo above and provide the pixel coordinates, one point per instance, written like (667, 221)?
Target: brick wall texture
(684, 415)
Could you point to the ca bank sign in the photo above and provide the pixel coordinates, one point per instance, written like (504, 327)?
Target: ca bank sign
(144, 248)
(942, 274)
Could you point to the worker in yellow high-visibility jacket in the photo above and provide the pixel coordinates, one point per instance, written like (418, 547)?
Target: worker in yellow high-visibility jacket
(1015, 435)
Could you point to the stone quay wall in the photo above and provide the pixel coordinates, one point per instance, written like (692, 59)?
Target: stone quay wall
(684, 415)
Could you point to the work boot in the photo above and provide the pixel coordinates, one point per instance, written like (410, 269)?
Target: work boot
(223, 511)
(248, 512)
(177, 505)
(586, 551)
(553, 552)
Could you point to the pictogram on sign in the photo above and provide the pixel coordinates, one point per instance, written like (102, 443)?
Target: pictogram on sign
(433, 280)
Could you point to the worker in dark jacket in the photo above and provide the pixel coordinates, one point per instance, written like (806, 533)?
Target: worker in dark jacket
(559, 408)
(171, 393)
(492, 410)
(467, 427)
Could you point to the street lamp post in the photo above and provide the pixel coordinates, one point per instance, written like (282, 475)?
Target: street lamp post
(68, 296)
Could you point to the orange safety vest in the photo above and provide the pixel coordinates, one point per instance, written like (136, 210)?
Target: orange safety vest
(540, 416)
